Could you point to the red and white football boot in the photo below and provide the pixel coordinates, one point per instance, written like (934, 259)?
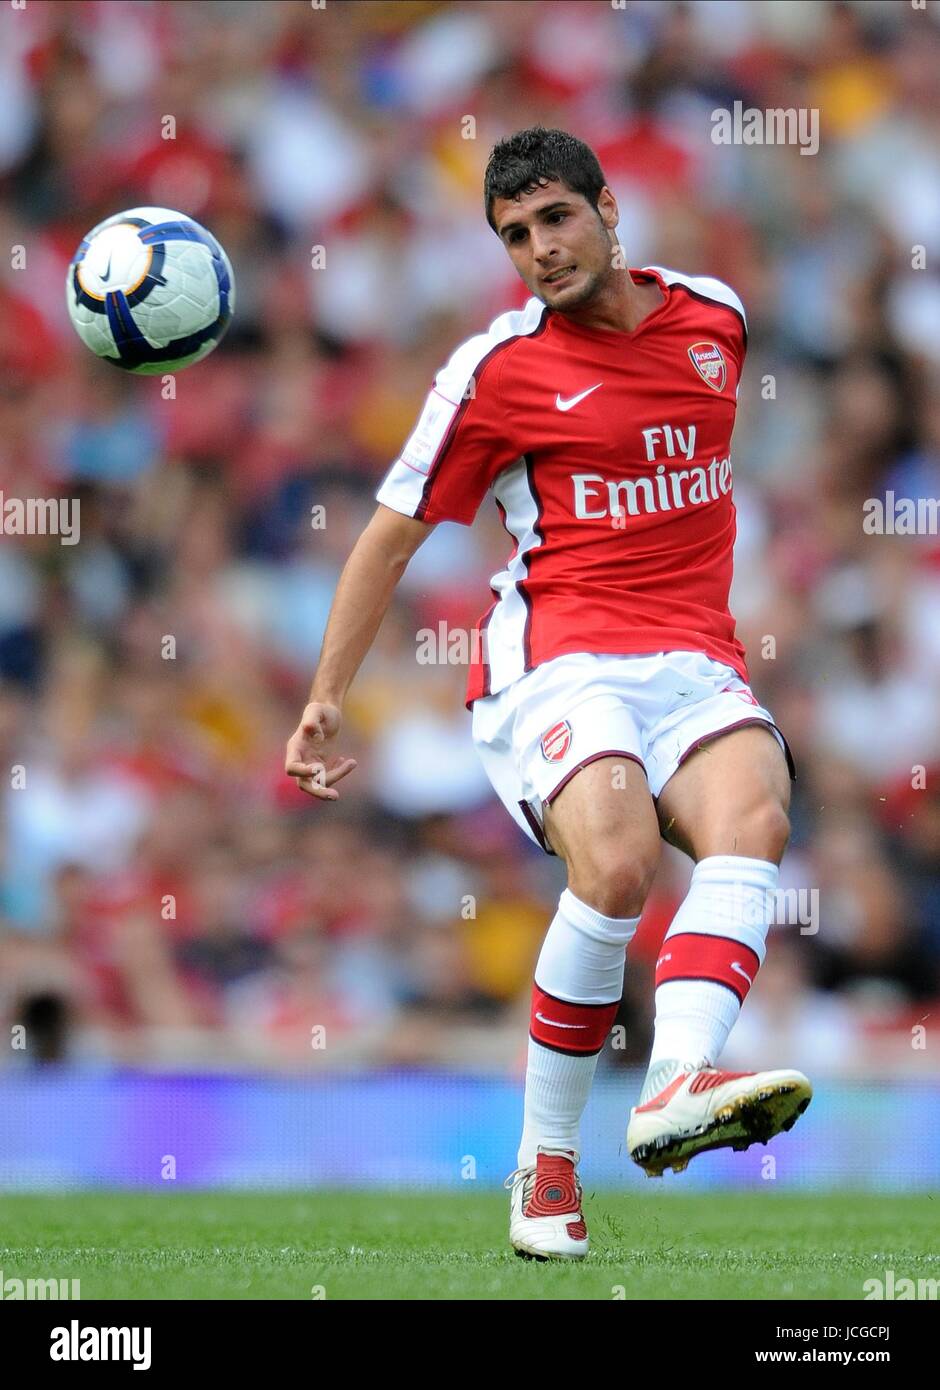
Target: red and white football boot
(545, 1221)
(703, 1108)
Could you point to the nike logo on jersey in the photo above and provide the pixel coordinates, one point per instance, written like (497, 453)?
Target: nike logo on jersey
(572, 401)
(555, 1024)
(736, 965)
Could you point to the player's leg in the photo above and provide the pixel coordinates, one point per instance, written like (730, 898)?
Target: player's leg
(603, 824)
(730, 796)
(726, 806)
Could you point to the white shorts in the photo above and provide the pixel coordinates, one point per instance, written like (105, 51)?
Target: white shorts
(543, 728)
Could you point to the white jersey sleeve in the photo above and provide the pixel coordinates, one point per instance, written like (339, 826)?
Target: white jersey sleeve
(462, 438)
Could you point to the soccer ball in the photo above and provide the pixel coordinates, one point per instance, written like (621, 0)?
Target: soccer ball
(150, 290)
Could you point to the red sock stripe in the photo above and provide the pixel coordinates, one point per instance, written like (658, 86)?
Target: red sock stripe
(698, 956)
(576, 1028)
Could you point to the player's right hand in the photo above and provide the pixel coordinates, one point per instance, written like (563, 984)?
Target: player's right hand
(308, 752)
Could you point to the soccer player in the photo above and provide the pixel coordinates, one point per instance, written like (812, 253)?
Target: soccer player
(611, 704)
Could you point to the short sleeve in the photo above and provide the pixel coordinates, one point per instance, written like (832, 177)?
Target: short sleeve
(460, 442)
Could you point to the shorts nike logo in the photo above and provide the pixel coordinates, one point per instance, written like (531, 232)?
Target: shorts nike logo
(736, 965)
(573, 400)
(555, 1024)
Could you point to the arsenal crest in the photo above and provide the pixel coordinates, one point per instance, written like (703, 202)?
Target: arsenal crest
(707, 360)
(556, 741)
(742, 693)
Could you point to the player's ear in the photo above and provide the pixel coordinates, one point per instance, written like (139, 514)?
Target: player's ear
(607, 209)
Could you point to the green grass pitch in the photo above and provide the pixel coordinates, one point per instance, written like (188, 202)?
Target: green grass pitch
(434, 1245)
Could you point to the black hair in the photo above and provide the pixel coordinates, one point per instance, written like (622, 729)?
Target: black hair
(522, 162)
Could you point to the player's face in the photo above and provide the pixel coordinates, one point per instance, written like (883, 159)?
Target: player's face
(559, 244)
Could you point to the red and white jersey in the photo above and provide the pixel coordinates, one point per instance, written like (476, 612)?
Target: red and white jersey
(609, 457)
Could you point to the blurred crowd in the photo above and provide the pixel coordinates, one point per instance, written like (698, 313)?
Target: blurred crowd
(166, 895)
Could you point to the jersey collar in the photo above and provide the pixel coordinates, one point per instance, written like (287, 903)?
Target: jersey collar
(636, 275)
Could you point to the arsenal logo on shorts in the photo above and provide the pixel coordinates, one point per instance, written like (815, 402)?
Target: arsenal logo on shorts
(708, 362)
(742, 692)
(556, 741)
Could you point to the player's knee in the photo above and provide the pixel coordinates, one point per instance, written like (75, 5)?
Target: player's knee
(769, 828)
(616, 885)
(758, 830)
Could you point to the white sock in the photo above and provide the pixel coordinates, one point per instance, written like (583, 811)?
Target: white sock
(693, 1020)
(579, 984)
(729, 906)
